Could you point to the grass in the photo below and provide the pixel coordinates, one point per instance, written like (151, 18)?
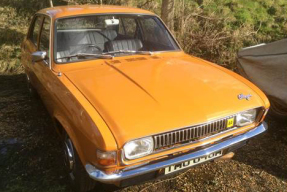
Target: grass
(12, 31)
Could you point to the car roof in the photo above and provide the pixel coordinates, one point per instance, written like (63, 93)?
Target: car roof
(74, 10)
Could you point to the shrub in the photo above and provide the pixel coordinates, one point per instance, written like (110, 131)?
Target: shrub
(211, 29)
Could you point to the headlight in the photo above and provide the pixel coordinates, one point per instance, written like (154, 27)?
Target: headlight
(246, 117)
(138, 148)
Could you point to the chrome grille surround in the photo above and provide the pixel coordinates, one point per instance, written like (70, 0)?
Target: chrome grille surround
(190, 134)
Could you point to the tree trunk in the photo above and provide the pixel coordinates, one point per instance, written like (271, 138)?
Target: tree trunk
(182, 22)
(167, 13)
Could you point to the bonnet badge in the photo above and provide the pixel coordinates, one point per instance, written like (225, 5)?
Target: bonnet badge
(247, 97)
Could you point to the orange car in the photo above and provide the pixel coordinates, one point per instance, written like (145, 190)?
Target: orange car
(129, 104)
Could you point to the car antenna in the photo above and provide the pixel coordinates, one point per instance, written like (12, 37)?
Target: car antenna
(51, 3)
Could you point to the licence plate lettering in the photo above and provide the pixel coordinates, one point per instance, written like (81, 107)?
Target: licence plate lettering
(230, 122)
(192, 162)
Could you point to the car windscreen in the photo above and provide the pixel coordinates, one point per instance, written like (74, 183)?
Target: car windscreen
(95, 36)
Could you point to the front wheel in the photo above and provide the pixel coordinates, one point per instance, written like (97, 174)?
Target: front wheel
(78, 176)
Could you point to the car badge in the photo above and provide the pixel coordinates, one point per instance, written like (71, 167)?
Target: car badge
(247, 97)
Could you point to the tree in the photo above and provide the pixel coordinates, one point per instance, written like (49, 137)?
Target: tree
(128, 3)
(167, 13)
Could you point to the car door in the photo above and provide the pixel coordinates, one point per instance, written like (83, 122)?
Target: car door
(29, 46)
(42, 69)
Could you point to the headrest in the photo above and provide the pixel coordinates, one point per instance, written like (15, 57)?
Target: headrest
(126, 45)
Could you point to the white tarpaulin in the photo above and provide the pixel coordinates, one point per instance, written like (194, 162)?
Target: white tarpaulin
(266, 67)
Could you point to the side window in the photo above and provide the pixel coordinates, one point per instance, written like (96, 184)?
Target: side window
(45, 37)
(155, 32)
(36, 30)
(128, 27)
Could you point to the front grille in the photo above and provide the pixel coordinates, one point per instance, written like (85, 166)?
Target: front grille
(192, 133)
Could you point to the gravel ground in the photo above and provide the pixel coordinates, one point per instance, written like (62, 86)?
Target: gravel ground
(30, 159)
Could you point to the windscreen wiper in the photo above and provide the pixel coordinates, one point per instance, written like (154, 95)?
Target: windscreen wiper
(100, 56)
(130, 51)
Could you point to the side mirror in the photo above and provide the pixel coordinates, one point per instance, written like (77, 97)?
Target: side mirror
(39, 56)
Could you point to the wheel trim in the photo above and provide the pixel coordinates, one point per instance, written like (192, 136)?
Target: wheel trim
(69, 154)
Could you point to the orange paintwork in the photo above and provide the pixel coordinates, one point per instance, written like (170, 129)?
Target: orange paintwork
(103, 105)
(76, 10)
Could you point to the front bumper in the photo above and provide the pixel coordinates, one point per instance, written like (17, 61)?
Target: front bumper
(228, 144)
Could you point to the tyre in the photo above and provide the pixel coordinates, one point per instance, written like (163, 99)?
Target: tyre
(79, 178)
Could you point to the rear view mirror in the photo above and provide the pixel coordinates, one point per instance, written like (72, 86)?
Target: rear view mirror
(39, 56)
(112, 21)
